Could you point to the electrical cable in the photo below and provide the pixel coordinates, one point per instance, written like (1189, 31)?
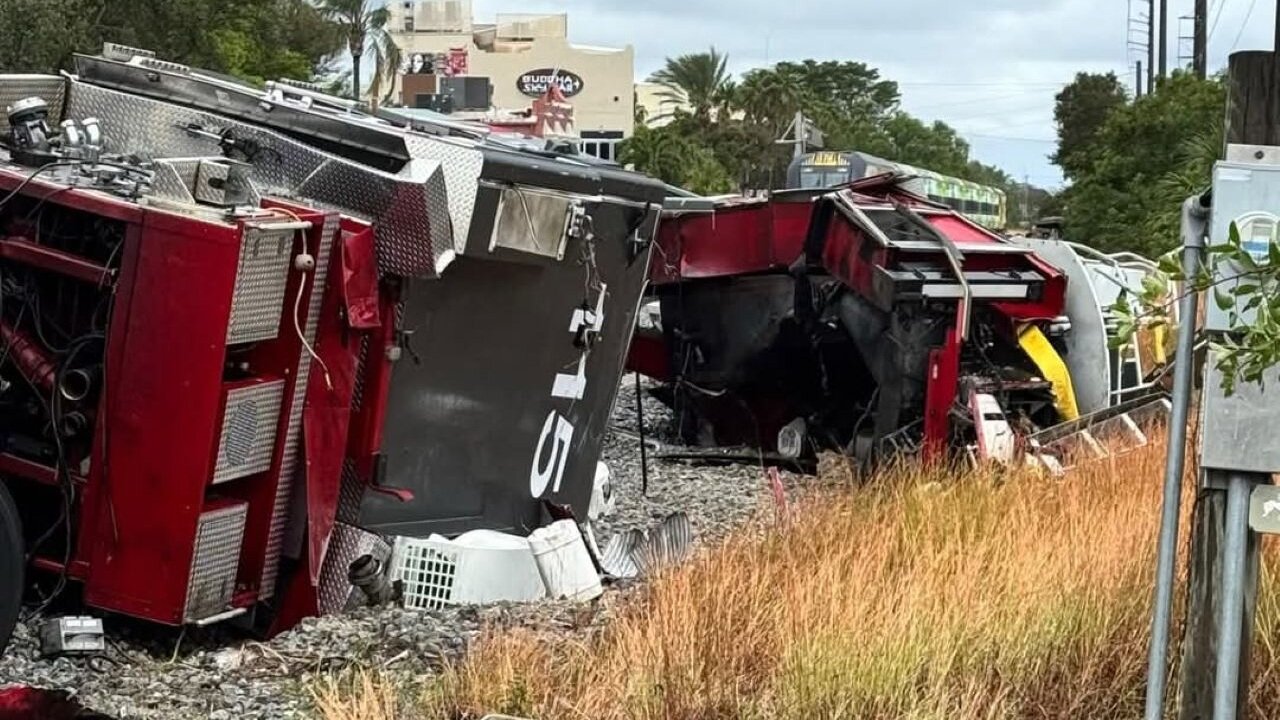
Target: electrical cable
(286, 212)
(54, 403)
(1248, 14)
(66, 483)
(1216, 17)
(32, 176)
(302, 259)
(56, 417)
(57, 164)
(297, 327)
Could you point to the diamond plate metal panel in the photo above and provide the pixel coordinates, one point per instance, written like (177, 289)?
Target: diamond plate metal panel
(462, 164)
(186, 180)
(212, 581)
(169, 184)
(261, 280)
(290, 469)
(346, 545)
(350, 494)
(409, 209)
(13, 88)
(362, 362)
(248, 438)
(410, 240)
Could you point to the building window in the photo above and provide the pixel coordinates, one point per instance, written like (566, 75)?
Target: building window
(605, 148)
(408, 24)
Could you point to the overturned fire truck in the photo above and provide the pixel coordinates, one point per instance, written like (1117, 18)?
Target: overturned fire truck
(245, 333)
(873, 321)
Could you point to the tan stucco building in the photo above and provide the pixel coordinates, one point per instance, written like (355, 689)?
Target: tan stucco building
(519, 54)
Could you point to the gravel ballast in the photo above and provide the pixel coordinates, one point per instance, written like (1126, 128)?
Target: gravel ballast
(223, 676)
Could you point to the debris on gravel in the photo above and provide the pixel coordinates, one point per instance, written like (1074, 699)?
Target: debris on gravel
(151, 674)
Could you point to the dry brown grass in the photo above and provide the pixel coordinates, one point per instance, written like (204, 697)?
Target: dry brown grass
(357, 696)
(928, 595)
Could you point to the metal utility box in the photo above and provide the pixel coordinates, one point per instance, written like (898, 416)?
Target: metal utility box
(1236, 428)
(1246, 191)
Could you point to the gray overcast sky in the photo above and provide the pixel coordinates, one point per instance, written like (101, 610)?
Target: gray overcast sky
(989, 68)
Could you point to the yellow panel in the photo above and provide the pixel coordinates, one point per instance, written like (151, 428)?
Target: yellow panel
(1040, 350)
(1161, 337)
(827, 159)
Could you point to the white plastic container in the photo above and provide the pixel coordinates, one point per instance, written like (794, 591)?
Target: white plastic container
(476, 568)
(603, 502)
(562, 558)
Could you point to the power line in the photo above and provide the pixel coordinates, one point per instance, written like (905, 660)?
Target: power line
(998, 113)
(976, 101)
(984, 136)
(983, 84)
(1248, 14)
(1217, 16)
(1004, 127)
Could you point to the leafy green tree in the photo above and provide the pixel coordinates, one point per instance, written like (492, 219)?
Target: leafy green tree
(675, 157)
(1080, 111)
(1250, 299)
(935, 146)
(1144, 159)
(40, 35)
(703, 173)
(848, 100)
(1052, 205)
(253, 39)
(656, 151)
(700, 79)
(363, 26)
(744, 150)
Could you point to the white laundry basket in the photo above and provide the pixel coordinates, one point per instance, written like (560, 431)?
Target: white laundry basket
(562, 558)
(476, 568)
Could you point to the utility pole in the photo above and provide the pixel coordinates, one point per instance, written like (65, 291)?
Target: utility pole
(800, 134)
(1151, 45)
(1137, 80)
(1164, 38)
(1200, 57)
(1224, 563)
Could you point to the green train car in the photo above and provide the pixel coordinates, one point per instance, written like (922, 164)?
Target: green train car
(983, 204)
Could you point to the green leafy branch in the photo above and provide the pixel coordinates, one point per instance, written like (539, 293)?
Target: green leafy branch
(1242, 286)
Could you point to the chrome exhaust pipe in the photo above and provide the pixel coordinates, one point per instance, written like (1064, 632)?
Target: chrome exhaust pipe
(76, 385)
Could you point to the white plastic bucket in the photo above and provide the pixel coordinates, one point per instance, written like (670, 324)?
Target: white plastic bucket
(563, 560)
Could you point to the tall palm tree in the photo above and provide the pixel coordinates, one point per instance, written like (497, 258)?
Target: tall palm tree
(700, 79)
(363, 23)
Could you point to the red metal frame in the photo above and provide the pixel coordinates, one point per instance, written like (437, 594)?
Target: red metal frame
(329, 424)
(157, 425)
(23, 250)
(277, 358)
(364, 441)
(648, 355)
(750, 236)
(744, 237)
